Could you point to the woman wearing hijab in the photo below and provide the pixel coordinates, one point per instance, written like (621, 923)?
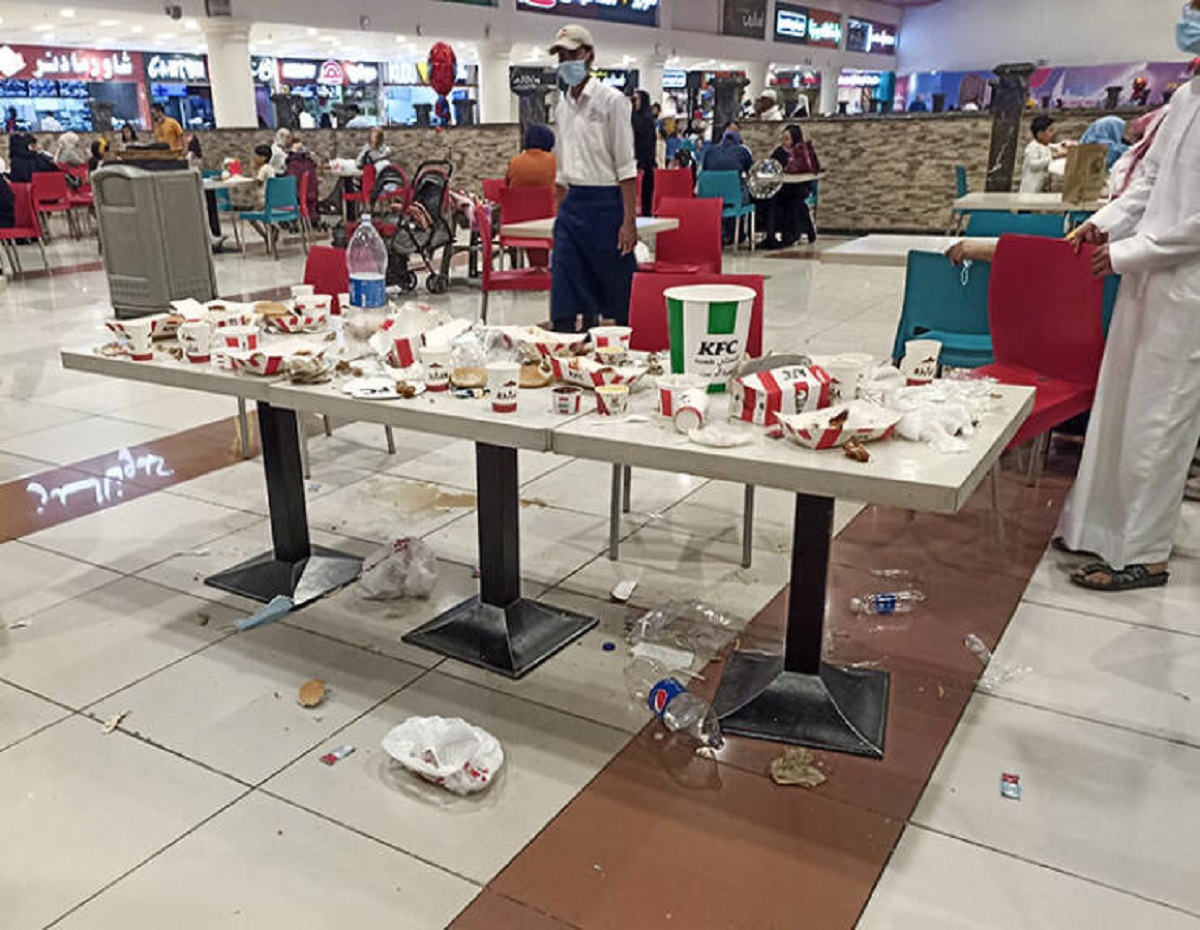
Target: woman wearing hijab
(1108, 131)
(69, 151)
(279, 150)
(535, 166)
(24, 159)
(376, 151)
(645, 147)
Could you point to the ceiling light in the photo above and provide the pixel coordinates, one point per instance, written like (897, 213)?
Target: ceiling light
(42, 27)
(399, 38)
(67, 12)
(310, 31)
(137, 29)
(191, 24)
(164, 37)
(49, 36)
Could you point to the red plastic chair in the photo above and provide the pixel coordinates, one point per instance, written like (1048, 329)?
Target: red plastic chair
(51, 195)
(518, 204)
(26, 225)
(493, 189)
(325, 269)
(672, 182)
(641, 179)
(518, 279)
(648, 308)
(696, 245)
(363, 194)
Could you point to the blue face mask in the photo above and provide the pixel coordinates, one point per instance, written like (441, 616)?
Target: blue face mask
(1187, 33)
(572, 73)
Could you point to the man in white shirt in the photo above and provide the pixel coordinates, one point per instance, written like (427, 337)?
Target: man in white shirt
(596, 229)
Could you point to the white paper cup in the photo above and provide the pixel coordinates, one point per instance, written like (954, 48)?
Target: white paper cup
(436, 362)
(302, 290)
(607, 336)
(670, 387)
(691, 410)
(920, 362)
(504, 382)
(309, 303)
(196, 337)
(614, 355)
(243, 338)
(343, 303)
(848, 375)
(566, 400)
(140, 334)
(612, 400)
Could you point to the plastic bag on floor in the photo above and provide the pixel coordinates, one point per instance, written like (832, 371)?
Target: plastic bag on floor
(447, 751)
(406, 568)
(682, 632)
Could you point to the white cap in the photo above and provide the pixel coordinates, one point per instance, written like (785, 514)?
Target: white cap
(571, 37)
(770, 94)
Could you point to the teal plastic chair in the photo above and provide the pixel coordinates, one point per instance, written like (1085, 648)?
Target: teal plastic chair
(814, 199)
(280, 205)
(1111, 285)
(948, 303)
(996, 223)
(727, 186)
(960, 181)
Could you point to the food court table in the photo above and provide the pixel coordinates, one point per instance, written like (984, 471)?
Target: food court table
(796, 697)
(801, 178)
(498, 629)
(1015, 202)
(888, 250)
(544, 229)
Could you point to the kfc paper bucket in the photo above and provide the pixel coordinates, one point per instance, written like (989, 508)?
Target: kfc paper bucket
(709, 325)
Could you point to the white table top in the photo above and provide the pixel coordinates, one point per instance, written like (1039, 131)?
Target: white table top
(166, 371)
(351, 173)
(900, 473)
(218, 184)
(1023, 203)
(888, 250)
(544, 229)
(802, 178)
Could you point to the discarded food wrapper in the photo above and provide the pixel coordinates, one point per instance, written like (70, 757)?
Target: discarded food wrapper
(312, 693)
(721, 436)
(622, 591)
(837, 426)
(764, 396)
(114, 721)
(334, 756)
(447, 751)
(797, 766)
(1010, 786)
(406, 568)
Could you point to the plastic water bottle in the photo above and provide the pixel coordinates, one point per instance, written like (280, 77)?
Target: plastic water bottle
(678, 708)
(978, 649)
(367, 258)
(899, 602)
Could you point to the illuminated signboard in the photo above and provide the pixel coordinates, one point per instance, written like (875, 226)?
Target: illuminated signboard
(637, 12)
(824, 28)
(674, 79)
(186, 69)
(791, 23)
(80, 64)
(863, 35)
(745, 18)
(330, 73)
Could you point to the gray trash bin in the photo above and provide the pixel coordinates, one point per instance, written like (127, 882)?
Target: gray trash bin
(154, 237)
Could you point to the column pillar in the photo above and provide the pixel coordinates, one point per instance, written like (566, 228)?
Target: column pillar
(650, 78)
(229, 73)
(496, 100)
(1008, 114)
(756, 74)
(829, 89)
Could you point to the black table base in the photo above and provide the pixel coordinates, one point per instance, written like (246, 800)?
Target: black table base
(499, 630)
(796, 698)
(278, 571)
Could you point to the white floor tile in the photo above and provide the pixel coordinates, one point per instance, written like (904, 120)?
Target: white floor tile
(179, 413)
(83, 439)
(84, 648)
(13, 467)
(33, 579)
(142, 532)
(234, 706)
(268, 864)
(383, 508)
(20, 417)
(80, 808)
(244, 487)
(1124, 674)
(1098, 802)
(549, 757)
(22, 713)
(935, 881)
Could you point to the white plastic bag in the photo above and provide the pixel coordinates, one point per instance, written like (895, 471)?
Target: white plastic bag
(447, 751)
(406, 568)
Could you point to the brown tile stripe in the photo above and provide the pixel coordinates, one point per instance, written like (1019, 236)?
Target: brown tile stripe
(32, 274)
(662, 837)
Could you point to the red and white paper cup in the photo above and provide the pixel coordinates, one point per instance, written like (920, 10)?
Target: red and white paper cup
(670, 387)
(611, 336)
(504, 383)
(691, 410)
(140, 334)
(612, 400)
(566, 400)
(317, 304)
(920, 362)
(242, 338)
(436, 363)
(196, 337)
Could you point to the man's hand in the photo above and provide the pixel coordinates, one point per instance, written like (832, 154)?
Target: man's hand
(628, 237)
(1102, 262)
(956, 253)
(1087, 234)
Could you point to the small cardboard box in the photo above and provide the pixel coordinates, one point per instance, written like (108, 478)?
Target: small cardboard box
(762, 397)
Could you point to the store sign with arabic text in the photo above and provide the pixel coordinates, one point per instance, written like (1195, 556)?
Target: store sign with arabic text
(637, 12)
(68, 64)
(745, 18)
(824, 28)
(330, 73)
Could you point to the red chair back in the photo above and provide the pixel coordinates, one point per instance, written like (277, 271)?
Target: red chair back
(50, 189)
(672, 182)
(1046, 309)
(648, 308)
(302, 194)
(518, 204)
(326, 270)
(697, 241)
(483, 224)
(26, 224)
(493, 189)
(370, 173)
(641, 179)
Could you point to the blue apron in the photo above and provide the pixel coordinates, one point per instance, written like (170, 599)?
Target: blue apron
(590, 275)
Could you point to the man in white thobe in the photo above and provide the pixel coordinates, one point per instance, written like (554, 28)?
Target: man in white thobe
(1145, 423)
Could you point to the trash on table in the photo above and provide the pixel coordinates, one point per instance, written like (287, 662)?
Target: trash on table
(114, 721)
(447, 751)
(1010, 786)
(887, 603)
(406, 568)
(721, 436)
(312, 693)
(623, 591)
(334, 756)
(797, 766)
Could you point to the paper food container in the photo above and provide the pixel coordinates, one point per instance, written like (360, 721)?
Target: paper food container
(765, 396)
(709, 325)
(864, 421)
(308, 322)
(544, 343)
(161, 324)
(588, 373)
(265, 362)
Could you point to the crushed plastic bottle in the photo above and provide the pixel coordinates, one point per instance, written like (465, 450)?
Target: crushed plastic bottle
(678, 708)
(897, 575)
(367, 259)
(976, 647)
(898, 602)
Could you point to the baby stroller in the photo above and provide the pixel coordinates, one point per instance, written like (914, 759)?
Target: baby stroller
(422, 223)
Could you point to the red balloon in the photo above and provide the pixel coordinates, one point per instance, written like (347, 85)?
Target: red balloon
(443, 68)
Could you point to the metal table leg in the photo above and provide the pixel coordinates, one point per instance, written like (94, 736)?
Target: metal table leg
(797, 698)
(499, 630)
(278, 571)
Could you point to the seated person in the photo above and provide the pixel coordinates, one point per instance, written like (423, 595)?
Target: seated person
(70, 150)
(375, 152)
(729, 155)
(24, 159)
(787, 214)
(99, 154)
(8, 205)
(535, 166)
(248, 198)
(1040, 152)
